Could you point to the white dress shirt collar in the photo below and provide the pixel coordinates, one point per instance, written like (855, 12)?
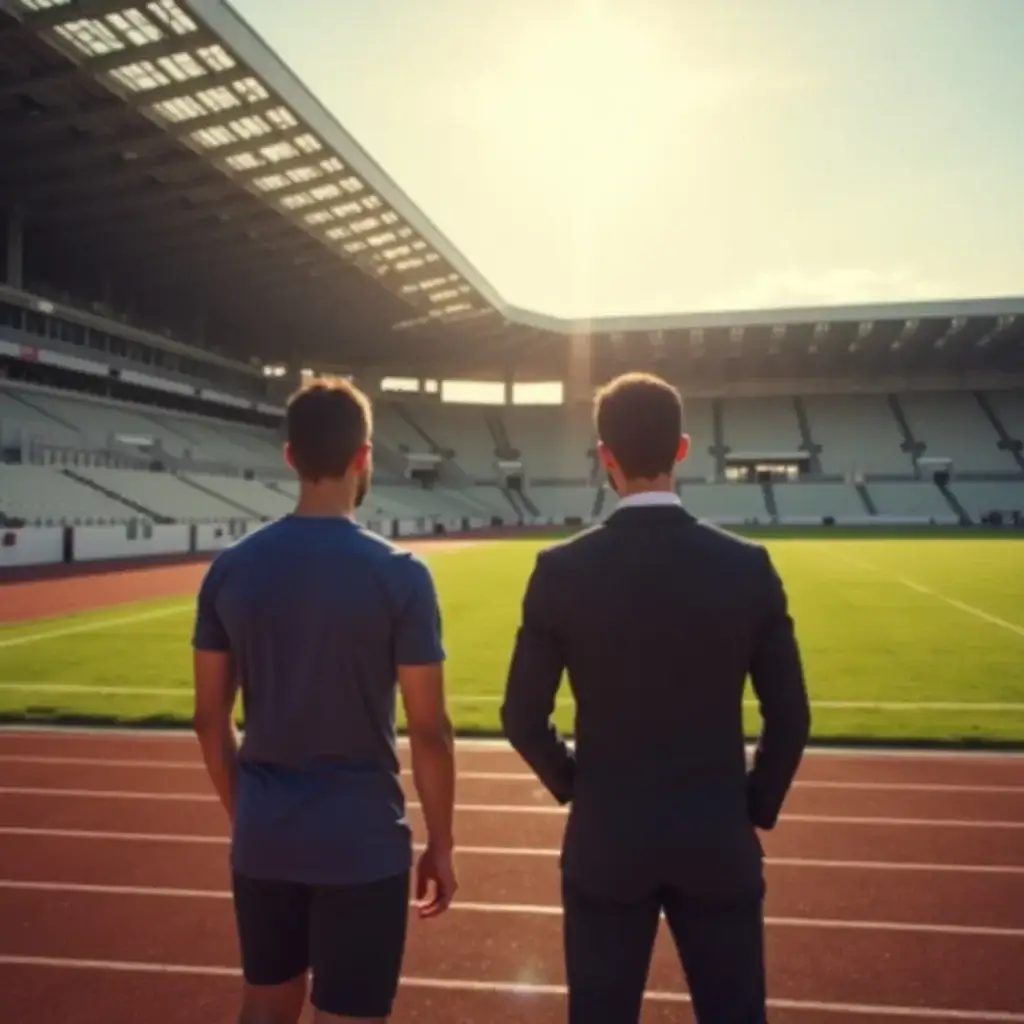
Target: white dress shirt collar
(650, 499)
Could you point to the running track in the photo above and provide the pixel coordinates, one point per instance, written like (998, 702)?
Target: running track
(895, 892)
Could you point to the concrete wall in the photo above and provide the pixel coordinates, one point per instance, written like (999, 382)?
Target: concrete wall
(36, 546)
(41, 546)
(106, 543)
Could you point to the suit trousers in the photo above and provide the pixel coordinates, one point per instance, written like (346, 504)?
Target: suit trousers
(609, 944)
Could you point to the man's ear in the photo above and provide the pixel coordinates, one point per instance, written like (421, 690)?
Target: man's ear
(361, 457)
(288, 458)
(605, 456)
(684, 448)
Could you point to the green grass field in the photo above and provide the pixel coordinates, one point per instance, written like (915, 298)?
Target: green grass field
(935, 624)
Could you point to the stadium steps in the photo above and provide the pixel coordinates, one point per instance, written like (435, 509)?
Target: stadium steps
(719, 449)
(598, 502)
(528, 503)
(511, 499)
(866, 500)
(449, 473)
(389, 460)
(953, 502)
(768, 491)
(503, 447)
(170, 427)
(914, 448)
(211, 493)
(806, 437)
(1006, 443)
(142, 510)
(67, 424)
(433, 445)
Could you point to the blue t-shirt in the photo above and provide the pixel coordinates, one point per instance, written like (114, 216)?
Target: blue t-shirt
(317, 613)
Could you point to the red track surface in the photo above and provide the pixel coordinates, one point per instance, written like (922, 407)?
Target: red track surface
(896, 883)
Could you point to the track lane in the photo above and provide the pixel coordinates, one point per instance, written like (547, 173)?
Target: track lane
(97, 996)
(814, 963)
(793, 892)
(790, 839)
(526, 792)
(935, 970)
(867, 767)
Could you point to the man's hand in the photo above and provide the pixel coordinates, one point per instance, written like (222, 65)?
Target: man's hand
(436, 883)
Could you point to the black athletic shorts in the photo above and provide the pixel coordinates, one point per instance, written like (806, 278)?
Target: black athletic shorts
(352, 937)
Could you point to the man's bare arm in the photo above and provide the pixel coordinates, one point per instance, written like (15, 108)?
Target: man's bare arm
(215, 691)
(432, 748)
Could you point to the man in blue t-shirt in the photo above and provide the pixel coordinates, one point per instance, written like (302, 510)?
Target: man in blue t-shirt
(316, 620)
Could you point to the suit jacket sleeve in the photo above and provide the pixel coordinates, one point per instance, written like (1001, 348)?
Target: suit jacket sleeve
(533, 682)
(778, 679)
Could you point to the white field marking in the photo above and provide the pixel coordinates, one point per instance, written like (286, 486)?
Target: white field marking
(106, 690)
(99, 690)
(523, 909)
(968, 609)
(525, 777)
(92, 627)
(496, 745)
(548, 810)
(520, 988)
(529, 852)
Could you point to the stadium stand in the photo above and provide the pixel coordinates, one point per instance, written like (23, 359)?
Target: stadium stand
(554, 443)
(138, 382)
(761, 425)
(41, 496)
(954, 426)
(103, 455)
(810, 503)
(857, 433)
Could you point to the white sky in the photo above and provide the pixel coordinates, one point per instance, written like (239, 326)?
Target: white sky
(603, 157)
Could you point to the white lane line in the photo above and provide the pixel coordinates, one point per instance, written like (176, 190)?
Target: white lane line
(490, 776)
(107, 690)
(532, 852)
(92, 627)
(497, 745)
(521, 909)
(519, 988)
(920, 588)
(548, 810)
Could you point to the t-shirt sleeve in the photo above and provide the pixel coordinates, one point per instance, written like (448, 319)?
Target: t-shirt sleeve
(210, 633)
(418, 638)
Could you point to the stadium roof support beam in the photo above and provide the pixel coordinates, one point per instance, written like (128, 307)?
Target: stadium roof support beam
(187, 204)
(33, 83)
(61, 181)
(285, 243)
(15, 247)
(81, 114)
(98, 149)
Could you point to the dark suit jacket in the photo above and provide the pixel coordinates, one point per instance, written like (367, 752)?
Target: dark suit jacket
(659, 619)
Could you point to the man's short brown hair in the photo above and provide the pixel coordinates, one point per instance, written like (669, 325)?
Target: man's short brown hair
(639, 418)
(328, 422)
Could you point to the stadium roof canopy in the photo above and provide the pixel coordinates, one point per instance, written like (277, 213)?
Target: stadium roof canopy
(162, 147)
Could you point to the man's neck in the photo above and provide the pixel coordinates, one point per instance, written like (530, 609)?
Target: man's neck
(660, 485)
(324, 503)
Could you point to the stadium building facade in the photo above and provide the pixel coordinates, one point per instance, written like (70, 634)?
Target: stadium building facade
(187, 232)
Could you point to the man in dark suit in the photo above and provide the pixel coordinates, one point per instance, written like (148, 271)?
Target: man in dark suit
(658, 620)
